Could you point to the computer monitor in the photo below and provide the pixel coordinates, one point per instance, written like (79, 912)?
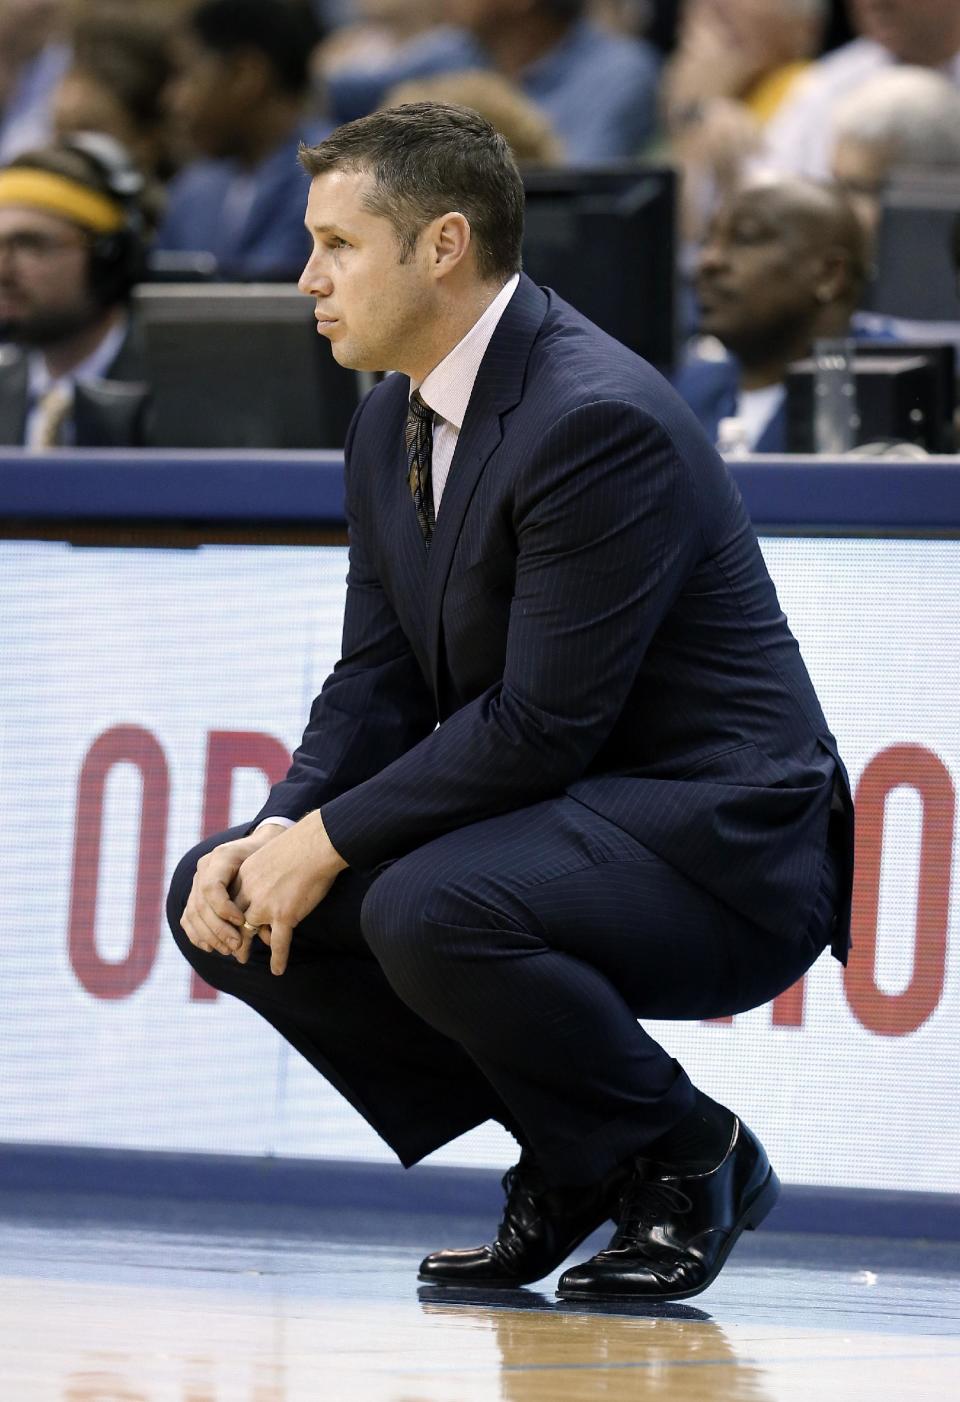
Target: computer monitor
(163, 266)
(605, 240)
(942, 398)
(241, 366)
(915, 275)
(905, 393)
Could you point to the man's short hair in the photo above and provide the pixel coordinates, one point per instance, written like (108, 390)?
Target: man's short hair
(282, 30)
(912, 114)
(425, 159)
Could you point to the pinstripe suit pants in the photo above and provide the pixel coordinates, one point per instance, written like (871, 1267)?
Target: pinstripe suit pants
(499, 972)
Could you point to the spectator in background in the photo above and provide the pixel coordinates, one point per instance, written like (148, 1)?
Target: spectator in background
(239, 101)
(405, 36)
(735, 64)
(784, 264)
(33, 58)
(750, 50)
(906, 121)
(119, 71)
(925, 33)
(380, 32)
(597, 90)
(902, 117)
(526, 130)
(74, 222)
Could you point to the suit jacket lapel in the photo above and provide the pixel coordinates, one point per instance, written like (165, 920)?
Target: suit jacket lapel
(13, 397)
(130, 361)
(498, 388)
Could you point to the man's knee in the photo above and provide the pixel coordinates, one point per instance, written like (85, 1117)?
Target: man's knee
(395, 923)
(385, 915)
(427, 914)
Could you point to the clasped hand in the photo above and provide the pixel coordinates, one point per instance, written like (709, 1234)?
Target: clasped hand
(270, 881)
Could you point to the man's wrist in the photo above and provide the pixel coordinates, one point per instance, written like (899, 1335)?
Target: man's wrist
(329, 855)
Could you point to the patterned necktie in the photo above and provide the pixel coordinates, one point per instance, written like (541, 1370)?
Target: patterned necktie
(52, 410)
(419, 440)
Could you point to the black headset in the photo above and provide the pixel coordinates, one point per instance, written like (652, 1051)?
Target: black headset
(117, 260)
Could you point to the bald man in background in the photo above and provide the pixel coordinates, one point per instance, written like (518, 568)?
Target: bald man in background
(783, 265)
(800, 138)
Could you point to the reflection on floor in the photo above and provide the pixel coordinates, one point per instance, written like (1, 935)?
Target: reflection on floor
(159, 1309)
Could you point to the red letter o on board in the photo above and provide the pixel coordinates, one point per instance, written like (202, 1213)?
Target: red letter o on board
(915, 767)
(124, 744)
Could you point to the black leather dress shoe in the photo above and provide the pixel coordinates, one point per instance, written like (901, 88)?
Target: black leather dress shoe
(676, 1229)
(539, 1228)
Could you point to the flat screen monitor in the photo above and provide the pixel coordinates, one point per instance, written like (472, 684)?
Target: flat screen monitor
(915, 276)
(904, 393)
(241, 366)
(604, 239)
(941, 360)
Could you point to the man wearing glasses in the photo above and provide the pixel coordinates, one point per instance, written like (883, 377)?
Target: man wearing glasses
(71, 248)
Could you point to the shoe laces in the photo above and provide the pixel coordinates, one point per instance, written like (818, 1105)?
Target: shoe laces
(645, 1203)
(522, 1184)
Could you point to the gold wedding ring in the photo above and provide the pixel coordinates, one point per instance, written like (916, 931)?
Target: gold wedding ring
(251, 929)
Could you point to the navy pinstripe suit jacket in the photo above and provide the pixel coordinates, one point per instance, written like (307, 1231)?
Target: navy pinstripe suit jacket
(594, 618)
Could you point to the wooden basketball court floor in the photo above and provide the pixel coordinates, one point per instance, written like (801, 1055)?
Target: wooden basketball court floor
(153, 1306)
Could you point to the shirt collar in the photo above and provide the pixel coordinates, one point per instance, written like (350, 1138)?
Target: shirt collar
(95, 366)
(448, 387)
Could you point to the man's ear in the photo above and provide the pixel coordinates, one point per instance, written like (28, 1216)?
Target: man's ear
(450, 239)
(832, 279)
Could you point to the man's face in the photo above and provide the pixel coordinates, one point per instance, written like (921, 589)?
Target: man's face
(376, 312)
(916, 31)
(199, 100)
(44, 277)
(756, 270)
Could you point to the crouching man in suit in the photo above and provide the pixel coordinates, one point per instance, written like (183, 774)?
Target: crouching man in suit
(570, 770)
(73, 233)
